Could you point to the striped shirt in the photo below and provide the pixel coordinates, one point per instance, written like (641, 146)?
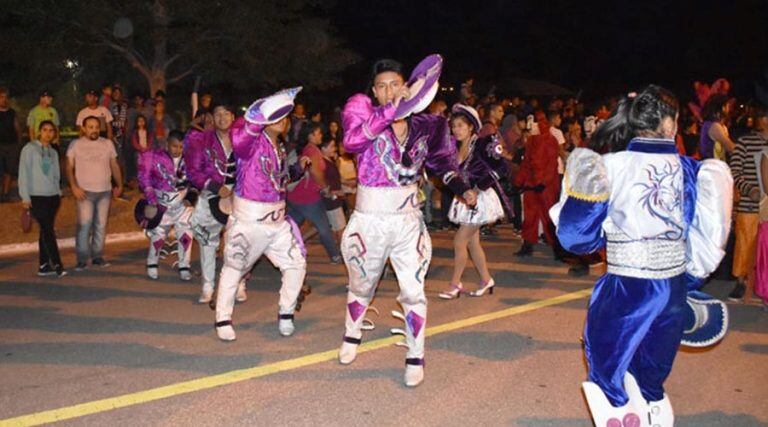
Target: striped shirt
(744, 169)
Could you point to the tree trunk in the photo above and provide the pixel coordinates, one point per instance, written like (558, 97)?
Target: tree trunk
(157, 81)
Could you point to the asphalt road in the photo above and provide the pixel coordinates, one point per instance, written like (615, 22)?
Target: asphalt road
(77, 347)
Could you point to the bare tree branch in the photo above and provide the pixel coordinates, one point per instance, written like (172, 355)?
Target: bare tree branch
(189, 71)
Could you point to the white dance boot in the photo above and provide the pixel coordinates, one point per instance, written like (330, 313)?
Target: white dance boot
(348, 350)
(661, 413)
(414, 372)
(605, 415)
(225, 331)
(285, 324)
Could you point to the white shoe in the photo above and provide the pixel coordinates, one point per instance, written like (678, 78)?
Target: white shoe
(185, 275)
(661, 414)
(241, 296)
(285, 324)
(606, 415)
(225, 331)
(206, 294)
(348, 352)
(414, 375)
(152, 272)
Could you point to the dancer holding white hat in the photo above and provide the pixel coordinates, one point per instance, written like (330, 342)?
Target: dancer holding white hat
(393, 146)
(258, 224)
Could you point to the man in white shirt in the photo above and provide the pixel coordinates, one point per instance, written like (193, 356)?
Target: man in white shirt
(92, 108)
(91, 166)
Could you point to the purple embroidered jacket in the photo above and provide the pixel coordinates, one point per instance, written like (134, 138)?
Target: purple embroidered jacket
(484, 165)
(382, 162)
(261, 170)
(208, 167)
(158, 172)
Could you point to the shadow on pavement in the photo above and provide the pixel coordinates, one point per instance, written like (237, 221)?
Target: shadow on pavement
(60, 291)
(718, 419)
(755, 348)
(550, 422)
(47, 319)
(506, 345)
(127, 355)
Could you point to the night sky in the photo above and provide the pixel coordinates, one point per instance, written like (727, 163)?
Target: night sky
(603, 48)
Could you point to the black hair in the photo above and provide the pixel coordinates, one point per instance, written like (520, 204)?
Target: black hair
(552, 114)
(641, 115)
(713, 109)
(326, 142)
(176, 134)
(384, 65)
(220, 103)
(136, 121)
(85, 120)
(47, 122)
(306, 130)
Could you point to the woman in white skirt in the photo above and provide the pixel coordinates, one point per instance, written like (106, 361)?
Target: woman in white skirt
(481, 165)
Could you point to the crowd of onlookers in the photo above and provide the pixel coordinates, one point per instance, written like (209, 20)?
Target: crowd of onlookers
(713, 126)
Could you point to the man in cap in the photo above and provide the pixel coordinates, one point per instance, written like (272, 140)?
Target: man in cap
(41, 112)
(93, 109)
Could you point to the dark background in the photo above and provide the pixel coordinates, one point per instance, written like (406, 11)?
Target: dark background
(602, 47)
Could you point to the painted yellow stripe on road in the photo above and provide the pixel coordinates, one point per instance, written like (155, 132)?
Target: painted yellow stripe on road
(232, 377)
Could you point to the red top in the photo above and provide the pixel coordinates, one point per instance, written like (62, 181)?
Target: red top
(307, 191)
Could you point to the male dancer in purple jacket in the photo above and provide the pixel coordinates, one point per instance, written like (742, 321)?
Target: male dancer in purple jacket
(163, 180)
(258, 224)
(387, 222)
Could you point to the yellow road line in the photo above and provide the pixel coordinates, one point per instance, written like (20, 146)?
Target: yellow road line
(232, 377)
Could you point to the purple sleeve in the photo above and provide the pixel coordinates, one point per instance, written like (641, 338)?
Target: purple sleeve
(489, 167)
(243, 135)
(362, 123)
(442, 159)
(144, 164)
(194, 158)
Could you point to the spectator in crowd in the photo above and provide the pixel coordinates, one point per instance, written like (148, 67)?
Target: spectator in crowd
(494, 113)
(438, 107)
(316, 117)
(334, 131)
(691, 137)
(715, 141)
(160, 124)
(43, 111)
(348, 173)
(39, 188)
(119, 110)
(91, 166)
(333, 198)
(142, 140)
(298, 119)
(135, 109)
(304, 200)
(10, 142)
(466, 93)
(93, 109)
(745, 178)
(105, 100)
(203, 119)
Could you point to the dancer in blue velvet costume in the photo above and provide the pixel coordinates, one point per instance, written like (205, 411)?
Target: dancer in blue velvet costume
(663, 219)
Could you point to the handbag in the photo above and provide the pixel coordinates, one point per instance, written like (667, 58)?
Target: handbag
(26, 221)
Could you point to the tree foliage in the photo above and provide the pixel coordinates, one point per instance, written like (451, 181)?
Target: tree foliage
(247, 44)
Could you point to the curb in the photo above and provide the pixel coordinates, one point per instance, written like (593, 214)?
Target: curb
(25, 248)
